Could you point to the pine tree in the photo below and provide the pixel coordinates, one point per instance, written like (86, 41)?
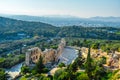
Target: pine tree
(80, 60)
(39, 65)
(88, 65)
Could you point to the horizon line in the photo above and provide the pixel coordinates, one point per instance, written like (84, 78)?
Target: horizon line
(54, 15)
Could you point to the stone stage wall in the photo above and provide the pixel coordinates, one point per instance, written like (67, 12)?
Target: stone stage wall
(49, 55)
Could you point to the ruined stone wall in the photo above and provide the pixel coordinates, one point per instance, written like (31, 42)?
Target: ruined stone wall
(61, 47)
(118, 54)
(49, 55)
(32, 55)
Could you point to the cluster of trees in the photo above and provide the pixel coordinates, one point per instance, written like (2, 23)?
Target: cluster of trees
(105, 45)
(3, 75)
(9, 28)
(48, 44)
(12, 46)
(10, 60)
(90, 32)
(115, 75)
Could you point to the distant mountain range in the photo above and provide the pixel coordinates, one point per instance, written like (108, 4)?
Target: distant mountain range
(61, 21)
(12, 29)
(106, 19)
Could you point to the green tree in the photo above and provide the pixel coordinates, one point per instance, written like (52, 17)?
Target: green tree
(39, 65)
(80, 60)
(61, 65)
(64, 76)
(88, 65)
(95, 46)
(25, 69)
(73, 67)
(115, 75)
(58, 73)
(83, 76)
(3, 75)
(98, 73)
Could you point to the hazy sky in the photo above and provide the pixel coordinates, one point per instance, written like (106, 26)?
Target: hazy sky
(81, 8)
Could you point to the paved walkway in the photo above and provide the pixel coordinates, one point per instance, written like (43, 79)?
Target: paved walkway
(14, 71)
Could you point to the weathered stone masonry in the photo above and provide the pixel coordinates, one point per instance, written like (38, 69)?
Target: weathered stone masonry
(49, 55)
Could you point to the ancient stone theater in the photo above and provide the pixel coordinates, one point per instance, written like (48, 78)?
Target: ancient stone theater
(49, 55)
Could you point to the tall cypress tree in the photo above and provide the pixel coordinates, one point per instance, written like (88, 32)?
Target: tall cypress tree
(88, 65)
(40, 66)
